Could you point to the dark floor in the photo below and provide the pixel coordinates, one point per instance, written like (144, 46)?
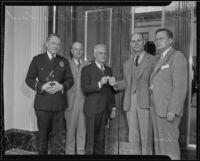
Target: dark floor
(185, 154)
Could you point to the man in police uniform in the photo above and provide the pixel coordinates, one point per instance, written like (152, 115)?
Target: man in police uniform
(50, 76)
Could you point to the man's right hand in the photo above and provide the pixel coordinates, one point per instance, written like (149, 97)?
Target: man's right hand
(103, 80)
(112, 81)
(46, 87)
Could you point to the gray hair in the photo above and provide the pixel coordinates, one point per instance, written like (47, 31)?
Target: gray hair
(98, 46)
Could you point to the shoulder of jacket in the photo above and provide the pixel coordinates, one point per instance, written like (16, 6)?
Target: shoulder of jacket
(127, 62)
(90, 65)
(39, 56)
(60, 56)
(178, 55)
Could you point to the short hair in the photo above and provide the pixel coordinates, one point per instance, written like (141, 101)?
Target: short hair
(137, 33)
(96, 47)
(52, 34)
(169, 33)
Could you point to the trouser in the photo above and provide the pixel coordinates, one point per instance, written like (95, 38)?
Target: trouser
(166, 134)
(76, 132)
(140, 129)
(95, 132)
(50, 122)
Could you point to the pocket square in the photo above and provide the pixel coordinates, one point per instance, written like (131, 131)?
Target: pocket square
(165, 66)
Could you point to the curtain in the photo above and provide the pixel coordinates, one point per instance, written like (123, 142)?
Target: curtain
(178, 19)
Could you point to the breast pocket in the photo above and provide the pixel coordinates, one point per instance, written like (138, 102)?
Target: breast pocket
(166, 74)
(43, 73)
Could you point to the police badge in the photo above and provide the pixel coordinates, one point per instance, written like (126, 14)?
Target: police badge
(61, 63)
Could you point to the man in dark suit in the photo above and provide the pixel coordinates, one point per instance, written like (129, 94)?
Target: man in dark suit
(50, 76)
(99, 100)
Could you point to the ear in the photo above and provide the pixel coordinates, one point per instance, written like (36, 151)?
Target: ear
(71, 50)
(171, 41)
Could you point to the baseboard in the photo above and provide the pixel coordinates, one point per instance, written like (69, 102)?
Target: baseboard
(20, 139)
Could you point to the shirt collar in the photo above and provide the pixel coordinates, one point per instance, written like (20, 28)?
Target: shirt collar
(140, 55)
(99, 65)
(76, 61)
(165, 52)
(50, 55)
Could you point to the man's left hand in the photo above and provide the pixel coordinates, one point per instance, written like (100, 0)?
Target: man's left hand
(113, 113)
(170, 116)
(55, 88)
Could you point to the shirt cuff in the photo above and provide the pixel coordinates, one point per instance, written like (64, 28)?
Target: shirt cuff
(36, 83)
(62, 91)
(99, 84)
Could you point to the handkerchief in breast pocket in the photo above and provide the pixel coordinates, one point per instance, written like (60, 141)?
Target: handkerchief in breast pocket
(164, 66)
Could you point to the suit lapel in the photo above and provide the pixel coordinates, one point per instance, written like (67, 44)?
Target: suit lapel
(73, 67)
(143, 64)
(161, 63)
(130, 70)
(97, 68)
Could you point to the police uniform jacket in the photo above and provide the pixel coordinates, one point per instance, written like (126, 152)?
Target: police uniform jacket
(42, 70)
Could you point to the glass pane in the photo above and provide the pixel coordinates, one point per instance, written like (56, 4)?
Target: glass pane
(147, 21)
(97, 31)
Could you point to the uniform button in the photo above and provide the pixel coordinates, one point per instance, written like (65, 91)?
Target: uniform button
(53, 76)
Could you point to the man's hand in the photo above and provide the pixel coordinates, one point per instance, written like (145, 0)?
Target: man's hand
(103, 80)
(46, 87)
(112, 81)
(113, 113)
(170, 116)
(54, 88)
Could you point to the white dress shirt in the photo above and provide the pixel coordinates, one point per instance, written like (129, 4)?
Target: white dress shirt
(51, 55)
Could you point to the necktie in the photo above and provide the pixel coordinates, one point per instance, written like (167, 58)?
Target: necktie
(137, 60)
(79, 64)
(52, 57)
(102, 68)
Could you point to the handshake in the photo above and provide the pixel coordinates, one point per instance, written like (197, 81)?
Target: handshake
(111, 80)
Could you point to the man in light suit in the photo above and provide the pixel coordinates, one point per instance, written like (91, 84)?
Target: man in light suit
(99, 100)
(75, 120)
(168, 84)
(136, 78)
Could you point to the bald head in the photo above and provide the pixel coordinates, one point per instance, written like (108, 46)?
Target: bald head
(137, 43)
(77, 50)
(75, 44)
(137, 34)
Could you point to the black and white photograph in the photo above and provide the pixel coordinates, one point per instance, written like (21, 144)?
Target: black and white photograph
(100, 80)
